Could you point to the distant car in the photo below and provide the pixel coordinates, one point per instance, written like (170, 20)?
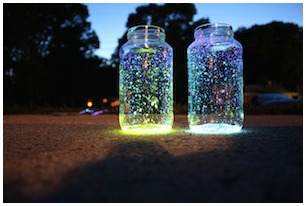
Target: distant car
(274, 98)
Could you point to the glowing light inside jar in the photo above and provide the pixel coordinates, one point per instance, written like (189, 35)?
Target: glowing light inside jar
(146, 91)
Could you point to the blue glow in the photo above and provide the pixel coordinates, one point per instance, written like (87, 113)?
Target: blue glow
(215, 81)
(215, 129)
(86, 111)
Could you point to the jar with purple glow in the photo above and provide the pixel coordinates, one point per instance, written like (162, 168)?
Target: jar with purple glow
(146, 81)
(215, 80)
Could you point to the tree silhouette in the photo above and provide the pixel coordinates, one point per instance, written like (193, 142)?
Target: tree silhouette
(48, 53)
(177, 20)
(273, 53)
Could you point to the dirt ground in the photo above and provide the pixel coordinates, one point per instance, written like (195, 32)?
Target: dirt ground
(74, 158)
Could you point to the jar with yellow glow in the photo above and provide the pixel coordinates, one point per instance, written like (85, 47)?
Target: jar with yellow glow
(146, 81)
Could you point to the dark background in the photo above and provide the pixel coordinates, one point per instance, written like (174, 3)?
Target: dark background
(49, 60)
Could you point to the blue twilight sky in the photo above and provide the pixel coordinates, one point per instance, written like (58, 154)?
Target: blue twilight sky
(109, 20)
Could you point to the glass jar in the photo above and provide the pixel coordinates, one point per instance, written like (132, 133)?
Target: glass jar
(146, 81)
(215, 80)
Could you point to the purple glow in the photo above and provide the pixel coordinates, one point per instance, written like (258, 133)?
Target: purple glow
(99, 112)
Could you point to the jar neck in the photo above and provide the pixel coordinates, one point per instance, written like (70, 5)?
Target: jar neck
(214, 33)
(147, 33)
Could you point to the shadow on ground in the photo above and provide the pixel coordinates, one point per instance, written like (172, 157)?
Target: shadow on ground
(264, 165)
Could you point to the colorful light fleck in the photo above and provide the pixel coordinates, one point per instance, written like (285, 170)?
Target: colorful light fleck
(115, 103)
(99, 112)
(86, 111)
(215, 81)
(145, 82)
(89, 103)
(104, 100)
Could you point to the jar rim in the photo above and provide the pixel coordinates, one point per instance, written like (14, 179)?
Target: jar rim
(147, 28)
(213, 25)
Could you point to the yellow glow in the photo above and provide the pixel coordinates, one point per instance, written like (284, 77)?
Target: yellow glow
(104, 100)
(89, 103)
(150, 129)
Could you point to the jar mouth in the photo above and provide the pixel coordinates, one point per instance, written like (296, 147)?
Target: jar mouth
(214, 31)
(146, 31)
(146, 28)
(214, 26)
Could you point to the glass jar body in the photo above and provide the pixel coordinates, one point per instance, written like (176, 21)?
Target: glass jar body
(146, 85)
(215, 82)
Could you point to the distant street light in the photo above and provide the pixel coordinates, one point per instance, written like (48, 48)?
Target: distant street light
(104, 100)
(115, 103)
(89, 103)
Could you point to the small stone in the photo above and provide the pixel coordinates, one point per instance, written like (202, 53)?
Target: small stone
(165, 152)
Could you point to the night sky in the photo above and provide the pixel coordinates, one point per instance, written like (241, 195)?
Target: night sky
(108, 20)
